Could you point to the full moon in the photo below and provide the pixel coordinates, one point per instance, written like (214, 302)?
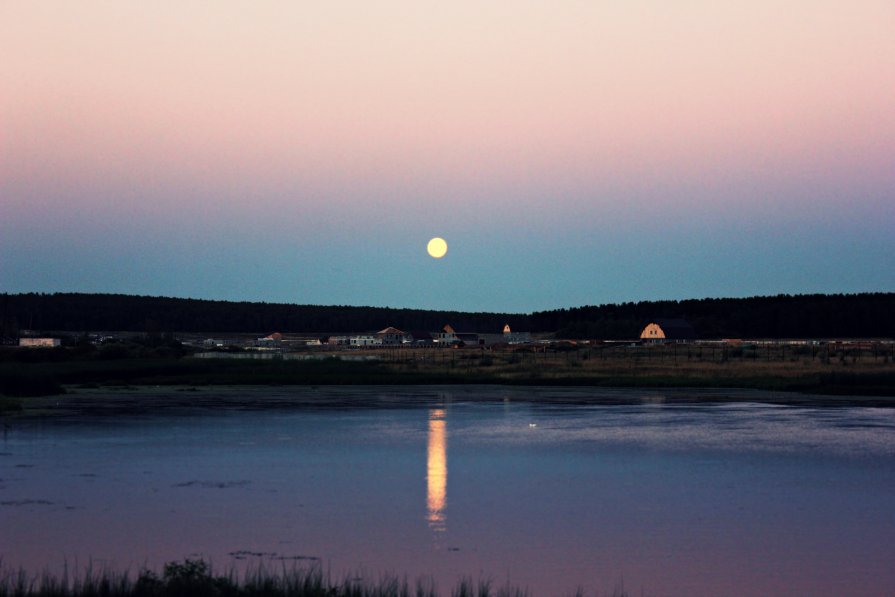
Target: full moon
(437, 247)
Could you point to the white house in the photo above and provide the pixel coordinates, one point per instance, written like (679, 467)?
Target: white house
(366, 340)
(391, 336)
(447, 335)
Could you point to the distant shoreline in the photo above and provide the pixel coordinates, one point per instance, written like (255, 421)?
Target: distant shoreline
(829, 378)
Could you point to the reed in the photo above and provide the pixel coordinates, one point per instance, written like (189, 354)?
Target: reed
(195, 578)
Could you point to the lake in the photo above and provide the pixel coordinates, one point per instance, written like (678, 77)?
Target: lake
(667, 493)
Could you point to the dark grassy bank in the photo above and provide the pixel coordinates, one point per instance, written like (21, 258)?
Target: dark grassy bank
(43, 372)
(42, 379)
(193, 578)
(34, 379)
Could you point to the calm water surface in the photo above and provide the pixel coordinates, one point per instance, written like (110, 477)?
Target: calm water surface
(670, 498)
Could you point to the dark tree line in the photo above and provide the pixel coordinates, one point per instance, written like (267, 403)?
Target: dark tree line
(116, 312)
(782, 316)
(868, 315)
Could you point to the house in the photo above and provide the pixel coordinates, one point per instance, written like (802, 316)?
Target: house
(420, 338)
(339, 341)
(668, 330)
(447, 335)
(468, 339)
(274, 340)
(391, 336)
(40, 342)
(365, 341)
(511, 337)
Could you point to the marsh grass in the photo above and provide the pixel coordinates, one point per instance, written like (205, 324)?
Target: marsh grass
(195, 578)
(10, 405)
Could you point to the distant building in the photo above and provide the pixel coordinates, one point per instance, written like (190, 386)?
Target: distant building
(420, 338)
(366, 340)
(468, 339)
(391, 336)
(511, 337)
(275, 340)
(40, 342)
(339, 341)
(447, 335)
(668, 330)
(222, 342)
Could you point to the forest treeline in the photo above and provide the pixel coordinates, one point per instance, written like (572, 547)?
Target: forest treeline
(869, 315)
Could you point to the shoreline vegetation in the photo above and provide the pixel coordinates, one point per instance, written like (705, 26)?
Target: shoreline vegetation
(854, 372)
(195, 578)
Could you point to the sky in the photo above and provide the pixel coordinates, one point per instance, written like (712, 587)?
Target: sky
(570, 152)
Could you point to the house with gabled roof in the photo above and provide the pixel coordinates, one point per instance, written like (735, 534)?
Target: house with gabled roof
(391, 336)
(450, 337)
(668, 330)
(447, 335)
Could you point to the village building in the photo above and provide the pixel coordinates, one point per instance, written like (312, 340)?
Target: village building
(468, 339)
(275, 340)
(511, 337)
(660, 331)
(447, 335)
(391, 336)
(40, 342)
(450, 337)
(364, 341)
(420, 338)
(222, 342)
(339, 341)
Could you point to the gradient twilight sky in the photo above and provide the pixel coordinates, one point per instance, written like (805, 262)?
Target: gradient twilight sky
(570, 152)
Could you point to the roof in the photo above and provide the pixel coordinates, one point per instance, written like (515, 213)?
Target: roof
(676, 329)
(389, 330)
(421, 335)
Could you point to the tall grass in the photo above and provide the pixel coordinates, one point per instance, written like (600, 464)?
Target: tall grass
(194, 578)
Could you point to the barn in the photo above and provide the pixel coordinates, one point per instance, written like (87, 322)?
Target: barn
(668, 330)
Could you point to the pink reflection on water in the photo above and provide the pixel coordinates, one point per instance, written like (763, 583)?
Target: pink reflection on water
(436, 477)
